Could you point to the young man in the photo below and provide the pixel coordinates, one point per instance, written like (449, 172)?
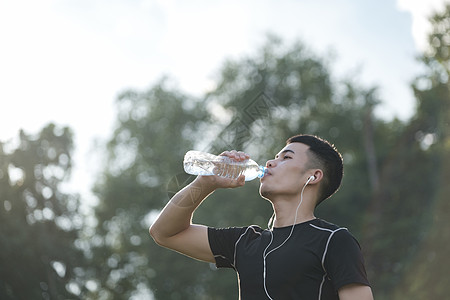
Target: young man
(301, 257)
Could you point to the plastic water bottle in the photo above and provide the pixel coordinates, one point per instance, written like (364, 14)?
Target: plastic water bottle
(202, 163)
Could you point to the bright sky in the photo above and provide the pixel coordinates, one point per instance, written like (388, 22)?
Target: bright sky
(65, 61)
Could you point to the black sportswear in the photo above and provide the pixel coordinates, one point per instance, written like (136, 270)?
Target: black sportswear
(317, 260)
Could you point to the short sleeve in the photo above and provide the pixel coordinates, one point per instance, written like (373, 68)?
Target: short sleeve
(344, 262)
(222, 242)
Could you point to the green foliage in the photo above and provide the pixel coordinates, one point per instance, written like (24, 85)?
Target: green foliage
(38, 222)
(428, 269)
(154, 129)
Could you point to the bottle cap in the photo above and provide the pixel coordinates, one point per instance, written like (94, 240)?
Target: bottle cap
(262, 171)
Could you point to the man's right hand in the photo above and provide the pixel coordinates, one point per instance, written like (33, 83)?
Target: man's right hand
(214, 182)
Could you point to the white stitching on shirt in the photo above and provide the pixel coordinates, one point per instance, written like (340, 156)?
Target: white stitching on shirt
(238, 240)
(332, 232)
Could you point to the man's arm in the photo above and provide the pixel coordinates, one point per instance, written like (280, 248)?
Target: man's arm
(173, 228)
(355, 292)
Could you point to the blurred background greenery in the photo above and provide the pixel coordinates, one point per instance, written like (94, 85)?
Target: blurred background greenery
(394, 196)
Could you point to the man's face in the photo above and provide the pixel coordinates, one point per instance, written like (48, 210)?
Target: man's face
(287, 172)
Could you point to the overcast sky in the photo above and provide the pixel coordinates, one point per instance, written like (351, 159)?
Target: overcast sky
(65, 61)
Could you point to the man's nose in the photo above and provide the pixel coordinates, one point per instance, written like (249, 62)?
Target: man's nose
(270, 163)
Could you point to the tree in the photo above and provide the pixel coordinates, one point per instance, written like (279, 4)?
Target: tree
(426, 273)
(154, 129)
(38, 222)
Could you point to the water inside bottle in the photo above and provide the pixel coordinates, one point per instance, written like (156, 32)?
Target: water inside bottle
(197, 163)
(236, 169)
(229, 170)
(199, 166)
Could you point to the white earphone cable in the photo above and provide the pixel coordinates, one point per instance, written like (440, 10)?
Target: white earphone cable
(279, 246)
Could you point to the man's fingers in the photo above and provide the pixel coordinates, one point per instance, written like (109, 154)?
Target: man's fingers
(236, 155)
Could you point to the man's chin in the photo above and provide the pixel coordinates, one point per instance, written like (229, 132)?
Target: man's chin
(264, 193)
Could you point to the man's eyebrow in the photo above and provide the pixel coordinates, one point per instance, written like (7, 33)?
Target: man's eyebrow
(284, 151)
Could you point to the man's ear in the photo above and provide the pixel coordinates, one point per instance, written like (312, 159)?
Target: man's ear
(316, 177)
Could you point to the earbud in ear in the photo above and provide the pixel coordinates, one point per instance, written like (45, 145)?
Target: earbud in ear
(311, 178)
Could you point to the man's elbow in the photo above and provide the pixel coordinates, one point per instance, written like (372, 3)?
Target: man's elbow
(355, 292)
(155, 235)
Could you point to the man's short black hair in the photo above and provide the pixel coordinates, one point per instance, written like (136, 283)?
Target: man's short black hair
(323, 155)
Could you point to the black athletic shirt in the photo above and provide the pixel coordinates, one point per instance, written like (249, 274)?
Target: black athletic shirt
(317, 260)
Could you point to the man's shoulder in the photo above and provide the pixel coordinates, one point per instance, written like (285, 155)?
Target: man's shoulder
(321, 224)
(240, 231)
(340, 235)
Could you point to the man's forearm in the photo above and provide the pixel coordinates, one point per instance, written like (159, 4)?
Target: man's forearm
(192, 195)
(177, 214)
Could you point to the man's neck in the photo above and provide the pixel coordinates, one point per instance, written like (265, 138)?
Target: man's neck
(289, 212)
